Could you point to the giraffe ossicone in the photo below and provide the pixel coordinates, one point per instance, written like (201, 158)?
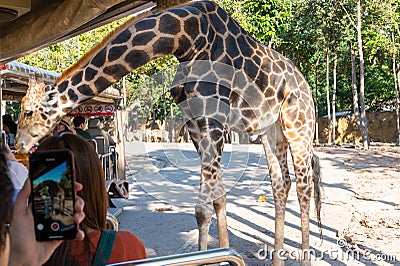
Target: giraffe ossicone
(261, 92)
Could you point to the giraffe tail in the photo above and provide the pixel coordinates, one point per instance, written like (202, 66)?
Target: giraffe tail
(317, 190)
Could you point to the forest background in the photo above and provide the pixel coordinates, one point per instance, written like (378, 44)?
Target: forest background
(348, 50)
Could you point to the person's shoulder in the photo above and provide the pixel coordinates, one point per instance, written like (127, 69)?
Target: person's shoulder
(130, 239)
(126, 235)
(128, 246)
(86, 134)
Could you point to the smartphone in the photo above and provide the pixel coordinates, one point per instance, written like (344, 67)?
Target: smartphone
(52, 175)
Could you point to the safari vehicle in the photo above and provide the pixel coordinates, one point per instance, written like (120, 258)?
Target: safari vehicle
(15, 77)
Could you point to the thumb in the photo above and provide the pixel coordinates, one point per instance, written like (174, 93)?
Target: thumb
(23, 196)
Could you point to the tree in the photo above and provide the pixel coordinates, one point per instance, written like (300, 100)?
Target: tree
(301, 30)
(267, 19)
(363, 118)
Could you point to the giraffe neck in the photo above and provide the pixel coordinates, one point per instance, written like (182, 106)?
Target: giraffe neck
(180, 31)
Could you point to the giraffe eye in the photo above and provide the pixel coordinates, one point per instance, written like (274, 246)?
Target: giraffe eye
(28, 114)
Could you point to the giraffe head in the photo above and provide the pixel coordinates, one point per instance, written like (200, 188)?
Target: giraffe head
(40, 113)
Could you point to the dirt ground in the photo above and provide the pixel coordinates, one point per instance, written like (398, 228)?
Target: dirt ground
(360, 204)
(374, 177)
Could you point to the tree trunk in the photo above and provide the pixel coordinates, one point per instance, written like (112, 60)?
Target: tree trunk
(356, 110)
(172, 126)
(316, 104)
(364, 123)
(397, 88)
(334, 100)
(328, 102)
(398, 105)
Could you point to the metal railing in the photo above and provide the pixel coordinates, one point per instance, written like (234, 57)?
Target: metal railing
(193, 258)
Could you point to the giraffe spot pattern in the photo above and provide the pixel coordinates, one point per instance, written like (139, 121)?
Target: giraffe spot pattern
(72, 95)
(100, 58)
(102, 83)
(163, 45)
(222, 14)
(63, 99)
(117, 71)
(90, 73)
(142, 38)
(116, 52)
(63, 86)
(245, 51)
(85, 90)
(136, 58)
(217, 48)
(191, 27)
(77, 78)
(144, 25)
(123, 37)
(231, 47)
(218, 23)
(181, 13)
(281, 91)
(184, 46)
(169, 25)
(200, 42)
(251, 69)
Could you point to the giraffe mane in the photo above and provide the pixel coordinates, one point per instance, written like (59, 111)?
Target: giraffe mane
(93, 51)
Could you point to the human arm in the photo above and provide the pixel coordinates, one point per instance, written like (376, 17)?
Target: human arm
(110, 140)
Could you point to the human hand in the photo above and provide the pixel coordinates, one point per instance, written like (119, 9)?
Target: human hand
(25, 250)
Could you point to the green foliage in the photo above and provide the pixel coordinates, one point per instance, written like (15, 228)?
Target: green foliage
(268, 19)
(236, 10)
(303, 30)
(58, 57)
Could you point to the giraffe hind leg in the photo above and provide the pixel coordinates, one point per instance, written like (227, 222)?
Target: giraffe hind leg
(276, 148)
(301, 154)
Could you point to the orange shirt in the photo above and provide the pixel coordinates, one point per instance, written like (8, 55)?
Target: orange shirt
(127, 247)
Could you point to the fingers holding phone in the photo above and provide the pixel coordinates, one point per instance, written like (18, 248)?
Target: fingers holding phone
(24, 247)
(79, 215)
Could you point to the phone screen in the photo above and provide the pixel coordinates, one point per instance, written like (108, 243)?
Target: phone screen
(53, 195)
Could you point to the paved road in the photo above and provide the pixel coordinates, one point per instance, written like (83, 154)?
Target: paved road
(163, 191)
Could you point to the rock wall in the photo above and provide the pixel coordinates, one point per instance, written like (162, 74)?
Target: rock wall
(381, 127)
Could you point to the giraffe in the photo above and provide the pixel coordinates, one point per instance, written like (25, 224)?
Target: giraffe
(56, 194)
(226, 81)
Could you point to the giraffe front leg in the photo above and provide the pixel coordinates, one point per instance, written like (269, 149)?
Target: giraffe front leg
(203, 212)
(209, 143)
(220, 210)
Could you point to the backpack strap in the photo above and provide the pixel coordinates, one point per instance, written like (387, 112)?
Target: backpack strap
(104, 247)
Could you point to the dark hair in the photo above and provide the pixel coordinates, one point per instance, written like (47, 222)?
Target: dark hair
(12, 126)
(7, 117)
(89, 173)
(6, 200)
(78, 120)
